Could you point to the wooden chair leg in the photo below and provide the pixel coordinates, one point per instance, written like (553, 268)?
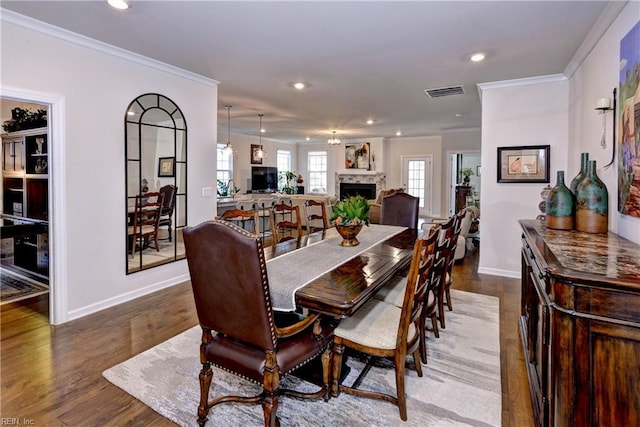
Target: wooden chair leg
(416, 360)
(402, 398)
(206, 375)
(448, 294)
(338, 350)
(441, 309)
(434, 323)
(423, 338)
(326, 371)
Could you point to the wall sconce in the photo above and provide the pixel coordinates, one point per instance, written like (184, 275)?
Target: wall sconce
(603, 105)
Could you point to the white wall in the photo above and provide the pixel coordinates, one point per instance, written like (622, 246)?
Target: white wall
(594, 79)
(518, 112)
(96, 85)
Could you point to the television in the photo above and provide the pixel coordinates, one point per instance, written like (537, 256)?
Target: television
(264, 179)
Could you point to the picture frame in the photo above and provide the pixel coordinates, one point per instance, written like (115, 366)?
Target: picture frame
(166, 167)
(255, 159)
(523, 164)
(357, 156)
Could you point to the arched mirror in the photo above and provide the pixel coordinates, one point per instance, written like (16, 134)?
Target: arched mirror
(156, 180)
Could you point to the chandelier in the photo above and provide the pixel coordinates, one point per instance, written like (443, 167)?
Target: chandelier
(228, 149)
(334, 140)
(260, 151)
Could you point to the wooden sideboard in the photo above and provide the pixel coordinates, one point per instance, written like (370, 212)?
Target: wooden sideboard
(580, 326)
(462, 192)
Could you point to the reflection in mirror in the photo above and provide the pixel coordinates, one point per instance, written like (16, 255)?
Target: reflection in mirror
(156, 180)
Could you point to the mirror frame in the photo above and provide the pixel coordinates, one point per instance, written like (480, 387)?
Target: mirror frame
(137, 119)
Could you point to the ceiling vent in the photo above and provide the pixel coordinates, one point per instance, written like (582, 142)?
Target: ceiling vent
(444, 91)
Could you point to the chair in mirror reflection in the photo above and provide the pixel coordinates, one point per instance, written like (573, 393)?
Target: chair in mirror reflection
(144, 222)
(286, 223)
(241, 333)
(168, 206)
(315, 212)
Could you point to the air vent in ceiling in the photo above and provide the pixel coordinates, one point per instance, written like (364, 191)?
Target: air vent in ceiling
(444, 91)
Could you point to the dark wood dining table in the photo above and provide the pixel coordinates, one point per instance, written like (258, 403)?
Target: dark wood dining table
(344, 289)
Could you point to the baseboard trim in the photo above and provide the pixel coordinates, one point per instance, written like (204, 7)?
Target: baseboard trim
(499, 272)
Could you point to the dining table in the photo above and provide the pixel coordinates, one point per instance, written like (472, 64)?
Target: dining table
(335, 280)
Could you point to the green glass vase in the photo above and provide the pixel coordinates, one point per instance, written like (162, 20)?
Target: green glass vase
(560, 206)
(584, 164)
(592, 203)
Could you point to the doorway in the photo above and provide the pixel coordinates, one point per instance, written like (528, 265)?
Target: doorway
(417, 179)
(459, 160)
(25, 201)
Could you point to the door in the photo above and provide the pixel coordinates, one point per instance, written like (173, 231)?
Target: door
(417, 178)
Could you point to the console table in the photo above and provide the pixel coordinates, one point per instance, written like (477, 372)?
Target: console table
(580, 326)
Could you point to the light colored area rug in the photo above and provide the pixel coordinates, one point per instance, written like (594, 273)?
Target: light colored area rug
(460, 386)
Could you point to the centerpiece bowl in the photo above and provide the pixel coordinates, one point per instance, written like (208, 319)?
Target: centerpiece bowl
(349, 216)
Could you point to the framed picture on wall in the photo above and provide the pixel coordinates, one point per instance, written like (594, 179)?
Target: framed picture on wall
(167, 167)
(357, 156)
(527, 163)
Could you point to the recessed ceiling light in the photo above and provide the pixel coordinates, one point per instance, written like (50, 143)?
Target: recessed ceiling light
(308, 139)
(131, 113)
(477, 57)
(263, 130)
(458, 115)
(370, 121)
(120, 4)
(299, 85)
(398, 133)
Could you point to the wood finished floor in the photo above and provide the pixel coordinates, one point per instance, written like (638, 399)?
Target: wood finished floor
(52, 375)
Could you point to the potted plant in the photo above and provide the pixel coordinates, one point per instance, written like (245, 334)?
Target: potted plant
(467, 172)
(349, 216)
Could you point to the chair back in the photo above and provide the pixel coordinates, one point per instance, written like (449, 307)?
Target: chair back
(285, 221)
(418, 281)
(229, 280)
(400, 209)
(147, 213)
(169, 202)
(315, 213)
(247, 220)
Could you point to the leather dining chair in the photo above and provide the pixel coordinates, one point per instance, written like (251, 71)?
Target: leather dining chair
(315, 212)
(400, 209)
(380, 329)
(168, 206)
(286, 223)
(241, 333)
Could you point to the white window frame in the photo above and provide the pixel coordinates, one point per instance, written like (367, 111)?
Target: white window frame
(317, 176)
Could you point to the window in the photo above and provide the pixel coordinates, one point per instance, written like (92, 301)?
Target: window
(317, 166)
(284, 160)
(225, 164)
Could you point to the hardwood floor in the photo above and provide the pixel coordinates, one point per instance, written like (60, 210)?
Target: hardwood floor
(51, 375)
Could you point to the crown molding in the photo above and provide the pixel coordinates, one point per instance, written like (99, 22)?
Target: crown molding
(550, 78)
(604, 21)
(7, 16)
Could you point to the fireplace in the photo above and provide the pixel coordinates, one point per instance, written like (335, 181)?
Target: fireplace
(348, 189)
(365, 183)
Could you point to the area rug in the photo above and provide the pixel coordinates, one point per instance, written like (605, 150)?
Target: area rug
(460, 386)
(14, 287)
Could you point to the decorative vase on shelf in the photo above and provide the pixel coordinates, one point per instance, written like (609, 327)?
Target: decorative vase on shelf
(592, 203)
(349, 233)
(543, 204)
(584, 164)
(560, 206)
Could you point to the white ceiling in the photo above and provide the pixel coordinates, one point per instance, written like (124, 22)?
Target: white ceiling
(361, 59)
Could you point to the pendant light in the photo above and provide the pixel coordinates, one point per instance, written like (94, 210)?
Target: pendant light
(260, 151)
(334, 140)
(228, 149)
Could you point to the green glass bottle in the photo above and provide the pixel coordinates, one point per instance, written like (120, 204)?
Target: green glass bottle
(592, 203)
(560, 206)
(584, 164)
